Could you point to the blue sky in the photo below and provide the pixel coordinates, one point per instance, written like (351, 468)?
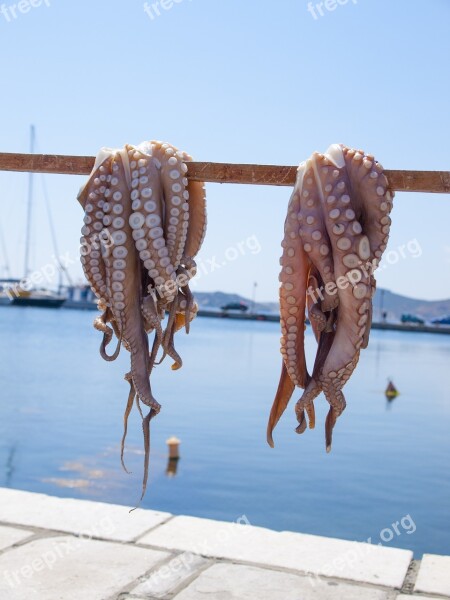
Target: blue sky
(233, 81)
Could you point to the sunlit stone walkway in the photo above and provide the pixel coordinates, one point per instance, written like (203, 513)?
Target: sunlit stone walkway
(61, 549)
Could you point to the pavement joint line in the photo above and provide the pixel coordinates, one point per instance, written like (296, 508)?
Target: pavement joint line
(410, 577)
(337, 580)
(42, 533)
(140, 535)
(127, 589)
(36, 530)
(418, 595)
(31, 528)
(175, 554)
(32, 538)
(184, 584)
(428, 595)
(46, 532)
(148, 574)
(18, 545)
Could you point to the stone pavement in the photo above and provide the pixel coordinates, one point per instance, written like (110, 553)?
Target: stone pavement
(63, 549)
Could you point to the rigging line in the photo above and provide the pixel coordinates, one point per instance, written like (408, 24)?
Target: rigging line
(13, 189)
(62, 267)
(49, 216)
(6, 267)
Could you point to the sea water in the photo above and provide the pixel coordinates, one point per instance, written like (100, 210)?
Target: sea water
(386, 479)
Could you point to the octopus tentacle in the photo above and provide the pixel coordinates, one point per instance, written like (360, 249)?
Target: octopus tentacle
(197, 219)
(147, 220)
(314, 387)
(174, 182)
(314, 235)
(168, 344)
(186, 299)
(330, 422)
(369, 181)
(150, 315)
(138, 406)
(153, 354)
(146, 432)
(182, 317)
(128, 409)
(369, 314)
(317, 317)
(126, 289)
(285, 390)
(100, 323)
(190, 265)
(93, 201)
(322, 326)
(105, 341)
(183, 304)
(293, 297)
(292, 313)
(170, 350)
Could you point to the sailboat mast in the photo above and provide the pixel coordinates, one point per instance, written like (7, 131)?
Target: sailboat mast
(6, 268)
(29, 207)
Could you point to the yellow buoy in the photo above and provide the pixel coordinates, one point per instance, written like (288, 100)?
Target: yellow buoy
(391, 391)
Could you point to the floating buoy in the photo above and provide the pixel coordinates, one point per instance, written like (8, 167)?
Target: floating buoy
(391, 391)
(174, 456)
(174, 447)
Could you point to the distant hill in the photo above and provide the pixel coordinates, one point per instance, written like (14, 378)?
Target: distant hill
(394, 304)
(219, 299)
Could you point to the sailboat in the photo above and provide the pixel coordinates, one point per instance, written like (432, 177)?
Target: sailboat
(41, 298)
(19, 296)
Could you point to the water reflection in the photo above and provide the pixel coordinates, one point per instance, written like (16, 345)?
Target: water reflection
(172, 467)
(92, 475)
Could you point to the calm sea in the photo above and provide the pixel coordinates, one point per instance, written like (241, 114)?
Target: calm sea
(61, 414)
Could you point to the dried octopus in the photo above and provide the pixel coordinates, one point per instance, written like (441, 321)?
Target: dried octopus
(144, 224)
(336, 231)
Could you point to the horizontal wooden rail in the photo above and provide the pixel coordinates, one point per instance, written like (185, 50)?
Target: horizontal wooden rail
(402, 181)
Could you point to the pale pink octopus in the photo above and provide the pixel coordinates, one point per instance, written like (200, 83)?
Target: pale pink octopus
(144, 224)
(336, 230)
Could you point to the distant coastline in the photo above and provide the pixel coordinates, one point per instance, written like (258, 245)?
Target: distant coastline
(388, 326)
(384, 301)
(388, 308)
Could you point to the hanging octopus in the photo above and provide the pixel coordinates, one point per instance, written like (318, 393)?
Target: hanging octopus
(144, 224)
(336, 231)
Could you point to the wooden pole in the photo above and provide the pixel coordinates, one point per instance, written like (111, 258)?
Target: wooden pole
(437, 182)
